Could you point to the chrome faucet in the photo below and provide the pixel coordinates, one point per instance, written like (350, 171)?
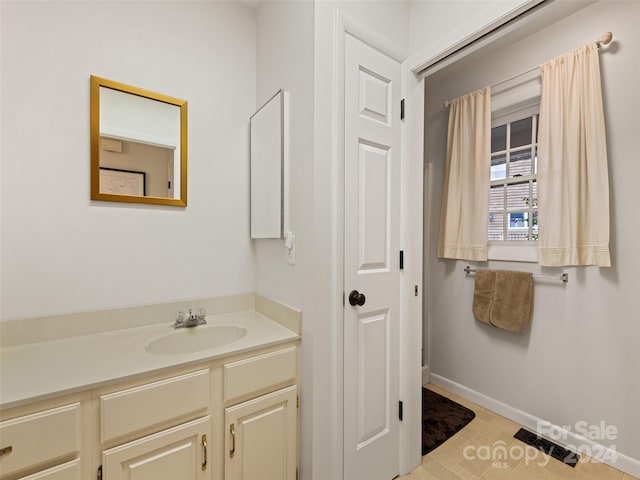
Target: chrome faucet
(191, 319)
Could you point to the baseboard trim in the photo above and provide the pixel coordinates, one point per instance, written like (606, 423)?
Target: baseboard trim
(609, 456)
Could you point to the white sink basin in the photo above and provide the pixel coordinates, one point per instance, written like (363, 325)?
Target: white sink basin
(187, 340)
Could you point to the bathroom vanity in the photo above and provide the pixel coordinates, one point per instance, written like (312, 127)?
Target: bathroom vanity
(138, 404)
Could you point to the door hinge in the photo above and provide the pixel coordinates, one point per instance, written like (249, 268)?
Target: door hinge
(402, 109)
(400, 410)
(401, 259)
(297, 473)
(297, 401)
(99, 475)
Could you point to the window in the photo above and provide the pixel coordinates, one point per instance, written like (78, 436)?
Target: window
(513, 203)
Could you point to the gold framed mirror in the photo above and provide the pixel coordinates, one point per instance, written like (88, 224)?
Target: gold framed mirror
(138, 145)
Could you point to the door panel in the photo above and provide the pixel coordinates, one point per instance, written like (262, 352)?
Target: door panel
(372, 212)
(373, 205)
(373, 398)
(375, 96)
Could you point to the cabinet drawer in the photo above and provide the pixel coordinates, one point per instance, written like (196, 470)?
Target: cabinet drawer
(259, 374)
(40, 438)
(161, 403)
(66, 471)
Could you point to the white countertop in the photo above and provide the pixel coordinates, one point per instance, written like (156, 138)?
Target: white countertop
(37, 371)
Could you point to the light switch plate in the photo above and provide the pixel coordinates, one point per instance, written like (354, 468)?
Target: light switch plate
(290, 247)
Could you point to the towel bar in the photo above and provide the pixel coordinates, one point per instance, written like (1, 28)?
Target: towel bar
(564, 276)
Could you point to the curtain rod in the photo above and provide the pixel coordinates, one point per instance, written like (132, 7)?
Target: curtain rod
(605, 39)
(563, 276)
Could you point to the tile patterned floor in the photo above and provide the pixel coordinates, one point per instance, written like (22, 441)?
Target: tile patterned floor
(488, 429)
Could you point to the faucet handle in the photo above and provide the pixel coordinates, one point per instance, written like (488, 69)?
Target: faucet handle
(180, 319)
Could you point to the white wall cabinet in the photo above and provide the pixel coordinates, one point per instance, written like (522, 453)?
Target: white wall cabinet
(261, 437)
(176, 453)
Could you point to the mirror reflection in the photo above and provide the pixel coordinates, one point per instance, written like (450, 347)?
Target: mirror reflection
(138, 145)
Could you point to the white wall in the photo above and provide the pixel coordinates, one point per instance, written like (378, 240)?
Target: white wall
(285, 61)
(62, 252)
(579, 360)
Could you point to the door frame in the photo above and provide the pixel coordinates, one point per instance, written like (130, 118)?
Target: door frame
(415, 229)
(411, 199)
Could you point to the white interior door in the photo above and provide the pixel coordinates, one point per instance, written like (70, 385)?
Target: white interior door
(371, 262)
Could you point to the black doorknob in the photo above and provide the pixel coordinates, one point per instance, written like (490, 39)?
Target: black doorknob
(356, 298)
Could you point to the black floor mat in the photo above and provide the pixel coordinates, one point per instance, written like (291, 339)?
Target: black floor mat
(441, 419)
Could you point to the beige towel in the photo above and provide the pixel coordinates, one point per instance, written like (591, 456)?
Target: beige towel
(503, 298)
(483, 295)
(512, 300)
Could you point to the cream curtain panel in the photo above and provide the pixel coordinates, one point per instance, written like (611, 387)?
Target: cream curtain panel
(465, 199)
(573, 180)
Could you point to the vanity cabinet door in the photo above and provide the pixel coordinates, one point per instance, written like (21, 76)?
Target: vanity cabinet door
(260, 439)
(176, 453)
